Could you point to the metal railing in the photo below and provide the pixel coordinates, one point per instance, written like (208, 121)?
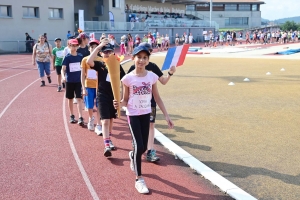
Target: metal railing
(114, 26)
(196, 14)
(19, 46)
(90, 26)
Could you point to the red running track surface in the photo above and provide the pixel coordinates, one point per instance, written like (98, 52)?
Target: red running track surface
(37, 162)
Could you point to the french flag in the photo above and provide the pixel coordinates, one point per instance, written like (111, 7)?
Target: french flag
(175, 56)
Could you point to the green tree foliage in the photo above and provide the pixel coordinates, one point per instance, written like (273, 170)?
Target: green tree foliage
(290, 25)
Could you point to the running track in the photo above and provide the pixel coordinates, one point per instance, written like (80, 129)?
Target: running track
(42, 156)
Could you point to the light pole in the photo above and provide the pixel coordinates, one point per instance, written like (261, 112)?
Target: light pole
(210, 11)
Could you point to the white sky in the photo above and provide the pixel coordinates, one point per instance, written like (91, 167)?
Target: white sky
(277, 9)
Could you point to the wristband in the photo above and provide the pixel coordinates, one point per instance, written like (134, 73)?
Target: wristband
(170, 74)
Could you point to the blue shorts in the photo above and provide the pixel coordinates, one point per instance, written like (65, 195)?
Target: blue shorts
(43, 67)
(90, 98)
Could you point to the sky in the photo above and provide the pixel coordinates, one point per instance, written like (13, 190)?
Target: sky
(277, 9)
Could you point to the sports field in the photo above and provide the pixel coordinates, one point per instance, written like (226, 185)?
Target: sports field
(249, 132)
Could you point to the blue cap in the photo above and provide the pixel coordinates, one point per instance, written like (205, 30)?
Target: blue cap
(107, 47)
(145, 44)
(138, 49)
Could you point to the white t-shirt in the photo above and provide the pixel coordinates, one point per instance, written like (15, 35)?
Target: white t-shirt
(140, 93)
(66, 51)
(191, 39)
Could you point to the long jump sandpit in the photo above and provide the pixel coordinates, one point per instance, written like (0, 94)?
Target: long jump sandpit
(249, 132)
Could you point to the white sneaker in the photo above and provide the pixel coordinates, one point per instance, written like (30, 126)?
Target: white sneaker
(91, 125)
(74, 101)
(141, 186)
(98, 130)
(131, 161)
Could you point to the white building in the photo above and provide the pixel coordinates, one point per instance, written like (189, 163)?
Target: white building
(56, 17)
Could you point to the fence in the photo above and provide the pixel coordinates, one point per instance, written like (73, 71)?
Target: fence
(13, 47)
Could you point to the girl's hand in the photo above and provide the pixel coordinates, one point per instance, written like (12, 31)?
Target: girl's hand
(172, 69)
(170, 123)
(33, 63)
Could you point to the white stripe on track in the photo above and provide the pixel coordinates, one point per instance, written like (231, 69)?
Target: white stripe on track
(15, 75)
(76, 157)
(14, 67)
(2, 113)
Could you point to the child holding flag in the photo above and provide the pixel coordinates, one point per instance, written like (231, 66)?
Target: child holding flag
(151, 153)
(138, 87)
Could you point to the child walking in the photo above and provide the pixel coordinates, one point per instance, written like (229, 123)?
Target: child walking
(89, 88)
(58, 55)
(71, 73)
(105, 94)
(138, 87)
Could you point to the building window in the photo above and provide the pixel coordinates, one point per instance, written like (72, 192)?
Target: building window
(55, 13)
(244, 7)
(218, 7)
(31, 12)
(230, 7)
(190, 7)
(254, 7)
(202, 7)
(236, 21)
(116, 3)
(5, 11)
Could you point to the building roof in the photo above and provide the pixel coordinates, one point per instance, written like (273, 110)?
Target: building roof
(207, 1)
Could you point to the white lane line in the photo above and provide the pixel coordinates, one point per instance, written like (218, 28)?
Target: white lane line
(14, 67)
(16, 75)
(76, 157)
(2, 113)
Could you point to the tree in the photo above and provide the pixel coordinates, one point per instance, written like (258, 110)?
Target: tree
(289, 25)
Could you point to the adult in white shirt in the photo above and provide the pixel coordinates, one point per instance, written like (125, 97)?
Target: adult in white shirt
(191, 38)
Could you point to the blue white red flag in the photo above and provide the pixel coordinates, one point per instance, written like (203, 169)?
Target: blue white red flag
(175, 56)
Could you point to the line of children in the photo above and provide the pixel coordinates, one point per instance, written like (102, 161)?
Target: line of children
(89, 75)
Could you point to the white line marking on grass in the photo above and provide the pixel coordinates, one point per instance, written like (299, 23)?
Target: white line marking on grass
(216, 179)
(76, 157)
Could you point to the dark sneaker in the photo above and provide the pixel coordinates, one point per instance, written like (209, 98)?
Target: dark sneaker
(80, 121)
(107, 152)
(111, 145)
(58, 88)
(63, 85)
(43, 83)
(49, 79)
(151, 156)
(72, 119)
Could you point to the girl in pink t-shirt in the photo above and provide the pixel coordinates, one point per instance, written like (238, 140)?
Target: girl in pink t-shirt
(138, 87)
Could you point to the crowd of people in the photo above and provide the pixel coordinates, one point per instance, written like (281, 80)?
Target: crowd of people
(83, 74)
(231, 38)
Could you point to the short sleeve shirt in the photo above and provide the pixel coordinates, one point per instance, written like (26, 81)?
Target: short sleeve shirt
(73, 70)
(140, 93)
(83, 51)
(59, 55)
(104, 85)
(91, 75)
(153, 68)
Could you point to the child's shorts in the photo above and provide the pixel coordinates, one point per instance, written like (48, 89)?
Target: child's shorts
(90, 98)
